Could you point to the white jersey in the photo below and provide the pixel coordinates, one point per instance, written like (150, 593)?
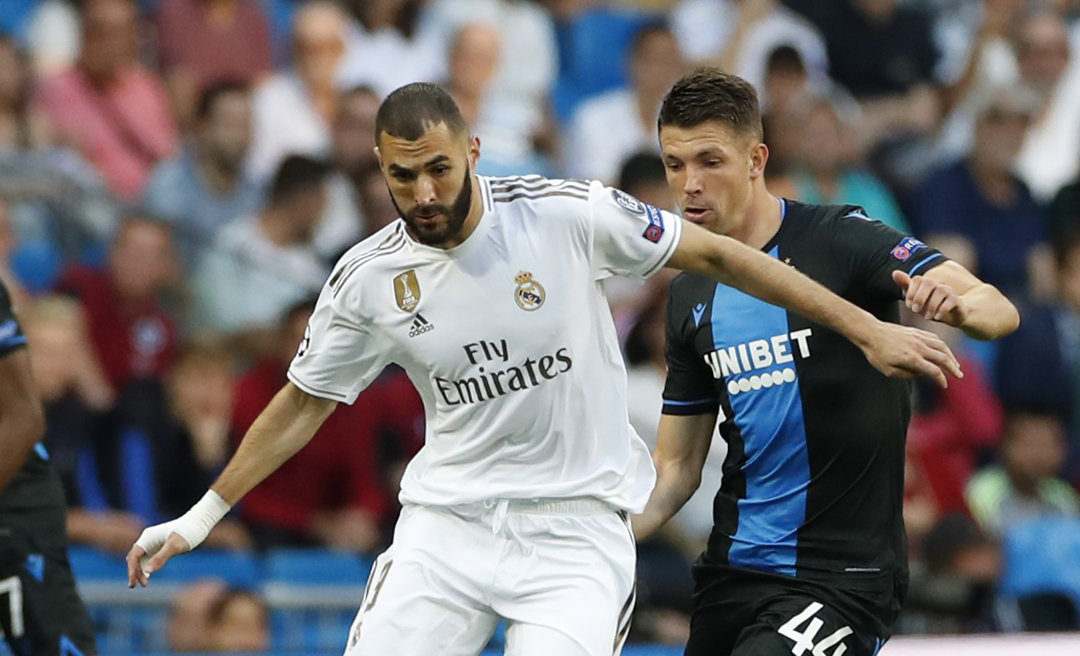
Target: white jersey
(508, 339)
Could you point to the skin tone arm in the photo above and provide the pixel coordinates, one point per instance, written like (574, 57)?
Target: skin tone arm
(22, 422)
(952, 295)
(681, 448)
(894, 350)
(283, 428)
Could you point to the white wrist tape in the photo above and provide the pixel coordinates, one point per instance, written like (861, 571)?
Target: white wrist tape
(193, 526)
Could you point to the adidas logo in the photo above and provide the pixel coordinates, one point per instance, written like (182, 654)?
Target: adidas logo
(420, 325)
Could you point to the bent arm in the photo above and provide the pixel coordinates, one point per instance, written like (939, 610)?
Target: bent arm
(756, 273)
(682, 445)
(22, 422)
(987, 314)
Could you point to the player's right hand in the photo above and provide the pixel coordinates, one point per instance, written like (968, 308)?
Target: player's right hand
(152, 550)
(904, 352)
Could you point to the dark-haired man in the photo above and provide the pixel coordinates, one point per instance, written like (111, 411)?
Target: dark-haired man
(40, 610)
(205, 186)
(486, 293)
(807, 554)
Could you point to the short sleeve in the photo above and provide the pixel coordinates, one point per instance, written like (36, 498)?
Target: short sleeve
(339, 355)
(11, 335)
(871, 251)
(630, 237)
(690, 388)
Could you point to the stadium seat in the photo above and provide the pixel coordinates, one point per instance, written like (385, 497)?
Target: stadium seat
(316, 567)
(237, 568)
(90, 564)
(1041, 556)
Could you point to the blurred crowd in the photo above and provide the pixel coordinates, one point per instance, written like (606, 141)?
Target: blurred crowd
(177, 177)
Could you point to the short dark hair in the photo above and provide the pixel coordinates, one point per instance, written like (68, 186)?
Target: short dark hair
(210, 96)
(710, 94)
(641, 169)
(407, 109)
(296, 174)
(785, 59)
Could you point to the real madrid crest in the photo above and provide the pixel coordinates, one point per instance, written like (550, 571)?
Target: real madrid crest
(407, 290)
(529, 294)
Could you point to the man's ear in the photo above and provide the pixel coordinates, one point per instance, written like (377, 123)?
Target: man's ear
(378, 155)
(759, 157)
(473, 152)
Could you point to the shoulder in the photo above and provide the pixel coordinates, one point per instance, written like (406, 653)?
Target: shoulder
(530, 193)
(373, 253)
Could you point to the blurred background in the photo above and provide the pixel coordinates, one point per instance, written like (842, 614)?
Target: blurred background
(177, 177)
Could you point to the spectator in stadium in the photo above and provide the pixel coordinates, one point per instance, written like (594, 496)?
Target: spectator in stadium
(740, 35)
(1026, 484)
(257, 267)
(187, 627)
(883, 53)
(206, 185)
(239, 622)
(205, 42)
(133, 334)
(294, 108)
(386, 46)
(343, 222)
(473, 62)
(342, 501)
(62, 362)
(953, 586)
(515, 125)
(980, 214)
(952, 429)
(605, 130)
(20, 129)
(1046, 63)
(827, 170)
(107, 106)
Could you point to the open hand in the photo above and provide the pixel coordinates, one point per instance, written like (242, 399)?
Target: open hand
(902, 352)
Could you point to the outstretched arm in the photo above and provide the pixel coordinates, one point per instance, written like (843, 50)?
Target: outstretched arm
(952, 295)
(892, 349)
(283, 428)
(681, 448)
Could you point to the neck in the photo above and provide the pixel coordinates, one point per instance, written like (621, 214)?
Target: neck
(275, 227)
(997, 184)
(760, 220)
(219, 179)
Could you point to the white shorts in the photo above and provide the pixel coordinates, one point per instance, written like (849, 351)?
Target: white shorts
(560, 572)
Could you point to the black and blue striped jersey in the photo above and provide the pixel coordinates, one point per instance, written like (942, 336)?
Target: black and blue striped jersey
(813, 479)
(34, 485)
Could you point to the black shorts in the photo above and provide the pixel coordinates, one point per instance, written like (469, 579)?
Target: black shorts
(41, 613)
(744, 613)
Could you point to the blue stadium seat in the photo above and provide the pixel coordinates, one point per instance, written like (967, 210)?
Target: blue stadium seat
(592, 55)
(316, 567)
(1042, 556)
(237, 568)
(90, 564)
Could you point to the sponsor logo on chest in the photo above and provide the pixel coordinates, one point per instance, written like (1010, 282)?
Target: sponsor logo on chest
(744, 365)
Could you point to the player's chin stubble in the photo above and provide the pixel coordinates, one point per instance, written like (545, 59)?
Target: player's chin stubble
(439, 234)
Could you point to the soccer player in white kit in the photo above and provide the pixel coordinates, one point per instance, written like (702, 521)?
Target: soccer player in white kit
(487, 292)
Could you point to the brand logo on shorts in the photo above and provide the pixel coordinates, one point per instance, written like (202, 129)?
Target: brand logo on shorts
(529, 294)
(407, 290)
(420, 325)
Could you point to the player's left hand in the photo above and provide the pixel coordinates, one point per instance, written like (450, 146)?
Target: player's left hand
(905, 352)
(932, 299)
